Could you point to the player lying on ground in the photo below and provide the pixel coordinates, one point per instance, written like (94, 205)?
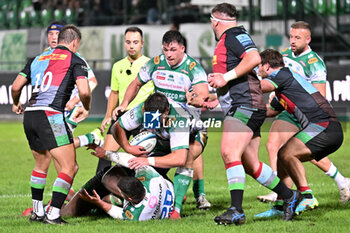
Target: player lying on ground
(147, 195)
(179, 145)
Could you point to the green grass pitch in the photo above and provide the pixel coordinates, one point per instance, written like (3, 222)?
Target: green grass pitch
(17, 163)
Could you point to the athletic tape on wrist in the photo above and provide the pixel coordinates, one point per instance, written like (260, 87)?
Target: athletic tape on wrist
(230, 75)
(151, 161)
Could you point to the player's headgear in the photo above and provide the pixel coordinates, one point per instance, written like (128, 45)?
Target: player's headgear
(57, 25)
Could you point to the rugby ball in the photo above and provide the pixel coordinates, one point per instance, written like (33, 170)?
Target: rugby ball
(145, 139)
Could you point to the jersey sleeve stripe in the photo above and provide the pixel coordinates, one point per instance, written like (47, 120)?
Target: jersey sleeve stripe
(180, 147)
(23, 74)
(81, 77)
(273, 83)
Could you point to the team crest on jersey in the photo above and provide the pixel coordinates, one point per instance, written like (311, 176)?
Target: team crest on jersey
(312, 60)
(156, 60)
(129, 215)
(215, 61)
(53, 57)
(192, 65)
(141, 178)
(283, 103)
(284, 50)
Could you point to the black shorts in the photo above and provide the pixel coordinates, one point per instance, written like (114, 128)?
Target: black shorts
(321, 140)
(46, 130)
(253, 118)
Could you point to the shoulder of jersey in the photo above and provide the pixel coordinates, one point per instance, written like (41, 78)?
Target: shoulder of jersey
(285, 50)
(158, 59)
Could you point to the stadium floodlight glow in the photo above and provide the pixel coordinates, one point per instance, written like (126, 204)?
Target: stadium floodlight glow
(223, 20)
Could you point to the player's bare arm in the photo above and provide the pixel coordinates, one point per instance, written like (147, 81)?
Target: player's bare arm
(176, 158)
(321, 87)
(120, 136)
(266, 86)
(130, 94)
(199, 94)
(16, 89)
(248, 63)
(111, 105)
(84, 93)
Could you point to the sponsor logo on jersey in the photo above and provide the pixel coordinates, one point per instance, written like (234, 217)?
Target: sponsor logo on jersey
(141, 178)
(192, 65)
(312, 60)
(53, 57)
(161, 67)
(129, 215)
(302, 63)
(184, 71)
(283, 103)
(284, 50)
(171, 78)
(245, 40)
(215, 61)
(84, 68)
(153, 201)
(156, 60)
(160, 77)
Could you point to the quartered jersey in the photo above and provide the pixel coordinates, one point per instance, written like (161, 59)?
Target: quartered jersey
(52, 75)
(173, 134)
(300, 98)
(171, 81)
(91, 74)
(308, 64)
(159, 197)
(244, 91)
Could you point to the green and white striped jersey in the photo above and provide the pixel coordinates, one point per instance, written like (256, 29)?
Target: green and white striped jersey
(158, 200)
(308, 64)
(171, 81)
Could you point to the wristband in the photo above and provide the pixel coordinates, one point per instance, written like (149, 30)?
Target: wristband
(230, 75)
(151, 161)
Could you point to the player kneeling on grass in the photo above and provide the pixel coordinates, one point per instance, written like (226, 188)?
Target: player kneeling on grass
(147, 195)
(179, 142)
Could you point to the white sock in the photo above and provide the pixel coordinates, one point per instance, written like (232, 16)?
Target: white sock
(53, 213)
(84, 140)
(338, 178)
(38, 207)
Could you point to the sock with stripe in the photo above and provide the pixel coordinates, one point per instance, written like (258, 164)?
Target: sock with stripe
(236, 179)
(37, 184)
(265, 176)
(198, 188)
(337, 176)
(85, 139)
(306, 191)
(59, 193)
(182, 180)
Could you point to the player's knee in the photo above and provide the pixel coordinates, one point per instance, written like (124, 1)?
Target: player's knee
(76, 169)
